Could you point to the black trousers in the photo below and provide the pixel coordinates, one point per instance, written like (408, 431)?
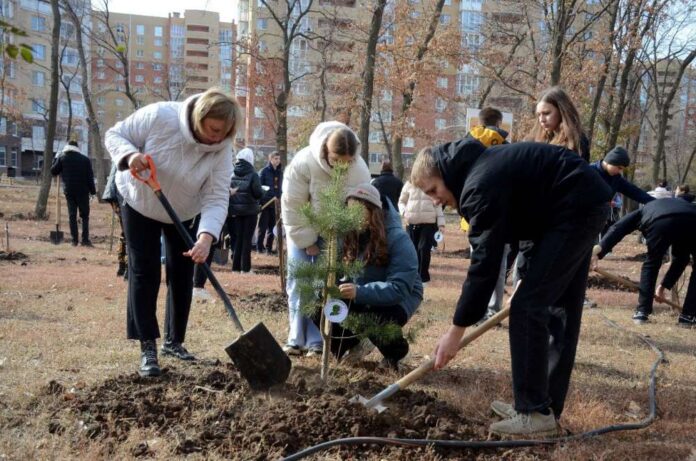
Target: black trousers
(679, 233)
(243, 230)
(144, 267)
(267, 220)
(78, 202)
(343, 339)
(543, 341)
(423, 238)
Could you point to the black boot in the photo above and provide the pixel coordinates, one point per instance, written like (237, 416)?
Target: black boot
(148, 359)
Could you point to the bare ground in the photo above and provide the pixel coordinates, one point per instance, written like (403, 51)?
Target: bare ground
(68, 387)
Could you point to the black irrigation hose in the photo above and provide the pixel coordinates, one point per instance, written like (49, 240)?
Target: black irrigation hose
(507, 443)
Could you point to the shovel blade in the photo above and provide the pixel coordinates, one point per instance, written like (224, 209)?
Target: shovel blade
(56, 237)
(259, 358)
(378, 407)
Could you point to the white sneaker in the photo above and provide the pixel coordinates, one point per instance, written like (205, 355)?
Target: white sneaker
(202, 294)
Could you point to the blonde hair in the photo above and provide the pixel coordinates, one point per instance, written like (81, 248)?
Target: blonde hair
(424, 166)
(216, 104)
(569, 131)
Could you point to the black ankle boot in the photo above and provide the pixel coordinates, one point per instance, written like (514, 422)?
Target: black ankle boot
(148, 359)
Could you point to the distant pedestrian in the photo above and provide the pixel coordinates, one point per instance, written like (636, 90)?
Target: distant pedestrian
(661, 190)
(76, 172)
(683, 192)
(243, 209)
(387, 184)
(272, 178)
(423, 219)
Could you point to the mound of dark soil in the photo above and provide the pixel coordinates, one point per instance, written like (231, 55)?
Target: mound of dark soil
(597, 281)
(210, 409)
(273, 301)
(12, 256)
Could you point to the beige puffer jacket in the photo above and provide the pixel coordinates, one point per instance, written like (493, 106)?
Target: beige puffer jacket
(418, 208)
(305, 176)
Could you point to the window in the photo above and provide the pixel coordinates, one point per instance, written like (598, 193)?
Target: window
(386, 95)
(440, 123)
(120, 29)
(38, 23)
(38, 133)
(301, 88)
(445, 19)
(140, 65)
(139, 53)
(100, 63)
(442, 82)
(139, 78)
(375, 136)
(440, 104)
(38, 78)
(409, 142)
(3, 156)
(467, 84)
(39, 52)
(258, 132)
(101, 75)
(70, 57)
(158, 31)
(157, 79)
(376, 157)
(140, 40)
(38, 105)
(3, 126)
(258, 113)
(100, 100)
(471, 20)
(140, 29)
(13, 157)
(158, 41)
(118, 102)
(262, 24)
(157, 54)
(177, 31)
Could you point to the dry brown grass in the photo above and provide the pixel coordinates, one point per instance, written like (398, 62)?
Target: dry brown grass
(62, 318)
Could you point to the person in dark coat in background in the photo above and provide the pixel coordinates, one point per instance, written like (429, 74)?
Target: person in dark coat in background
(387, 184)
(664, 222)
(244, 206)
(611, 169)
(272, 177)
(75, 170)
(683, 191)
(524, 191)
(113, 197)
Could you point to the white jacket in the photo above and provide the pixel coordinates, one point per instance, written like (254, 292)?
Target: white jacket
(417, 208)
(195, 177)
(305, 176)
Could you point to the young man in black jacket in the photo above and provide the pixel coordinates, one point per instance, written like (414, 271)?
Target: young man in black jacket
(387, 184)
(272, 177)
(75, 170)
(524, 191)
(664, 223)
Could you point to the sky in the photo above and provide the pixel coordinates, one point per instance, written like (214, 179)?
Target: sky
(226, 8)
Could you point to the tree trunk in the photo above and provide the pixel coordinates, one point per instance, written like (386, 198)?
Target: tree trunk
(94, 130)
(369, 80)
(397, 161)
(558, 39)
(45, 188)
(682, 180)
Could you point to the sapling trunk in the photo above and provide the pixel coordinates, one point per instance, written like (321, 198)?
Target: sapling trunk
(332, 249)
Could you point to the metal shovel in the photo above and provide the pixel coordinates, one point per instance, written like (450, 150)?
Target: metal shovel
(255, 353)
(375, 402)
(57, 235)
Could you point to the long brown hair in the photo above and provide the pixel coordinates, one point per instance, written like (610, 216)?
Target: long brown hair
(376, 252)
(569, 131)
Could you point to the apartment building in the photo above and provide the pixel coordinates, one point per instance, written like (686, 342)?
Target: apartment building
(168, 59)
(25, 89)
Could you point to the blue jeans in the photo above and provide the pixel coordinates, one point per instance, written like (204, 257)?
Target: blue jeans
(303, 332)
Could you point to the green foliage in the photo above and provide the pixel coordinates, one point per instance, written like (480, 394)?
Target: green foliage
(366, 325)
(311, 279)
(12, 50)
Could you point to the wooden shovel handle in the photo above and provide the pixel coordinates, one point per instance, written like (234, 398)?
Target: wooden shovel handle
(634, 287)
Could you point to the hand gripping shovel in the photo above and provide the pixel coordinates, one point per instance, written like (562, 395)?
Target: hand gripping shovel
(255, 353)
(376, 402)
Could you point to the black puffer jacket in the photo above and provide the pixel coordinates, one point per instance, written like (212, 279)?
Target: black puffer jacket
(245, 201)
(75, 170)
(389, 186)
(512, 192)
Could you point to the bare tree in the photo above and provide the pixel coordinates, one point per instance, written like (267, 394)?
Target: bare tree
(45, 187)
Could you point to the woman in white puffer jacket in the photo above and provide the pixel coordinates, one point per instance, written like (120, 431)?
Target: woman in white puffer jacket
(191, 145)
(306, 175)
